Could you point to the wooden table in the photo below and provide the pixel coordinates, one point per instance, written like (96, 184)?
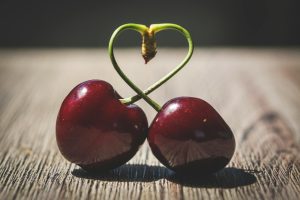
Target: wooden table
(257, 91)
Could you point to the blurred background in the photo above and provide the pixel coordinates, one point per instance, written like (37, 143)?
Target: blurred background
(247, 66)
(36, 23)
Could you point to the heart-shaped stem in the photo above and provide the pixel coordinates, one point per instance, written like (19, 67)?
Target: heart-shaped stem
(156, 28)
(142, 29)
(149, 50)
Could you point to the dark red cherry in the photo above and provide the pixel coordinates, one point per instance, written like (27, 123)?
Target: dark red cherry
(95, 130)
(190, 137)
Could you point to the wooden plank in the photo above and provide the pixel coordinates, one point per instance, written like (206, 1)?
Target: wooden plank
(257, 92)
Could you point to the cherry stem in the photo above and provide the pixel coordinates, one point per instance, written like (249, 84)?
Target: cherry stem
(154, 28)
(140, 28)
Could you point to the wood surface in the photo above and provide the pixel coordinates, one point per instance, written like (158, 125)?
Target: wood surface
(257, 91)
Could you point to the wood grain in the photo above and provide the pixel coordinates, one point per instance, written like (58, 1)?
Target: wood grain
(257, 91)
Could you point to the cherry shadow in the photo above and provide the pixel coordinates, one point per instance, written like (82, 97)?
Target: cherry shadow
(226, 178)
(127, 173)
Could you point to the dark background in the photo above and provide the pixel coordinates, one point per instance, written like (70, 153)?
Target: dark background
(40, 23)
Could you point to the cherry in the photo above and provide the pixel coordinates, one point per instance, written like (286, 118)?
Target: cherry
(98, 130)
(95, 130)
(190, 137)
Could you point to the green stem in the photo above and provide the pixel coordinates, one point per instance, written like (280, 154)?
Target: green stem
(141, 29)
(156, 28)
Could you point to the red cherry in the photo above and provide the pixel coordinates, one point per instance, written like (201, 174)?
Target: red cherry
(95, 130)
(190, 137)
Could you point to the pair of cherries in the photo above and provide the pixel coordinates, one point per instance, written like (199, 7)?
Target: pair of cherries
(98, 130)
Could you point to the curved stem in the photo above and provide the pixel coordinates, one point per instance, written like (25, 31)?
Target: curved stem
(156, 28)
(141, 29)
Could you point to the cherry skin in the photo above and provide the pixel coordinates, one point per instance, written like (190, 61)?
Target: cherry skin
(95, 130)
(189, 137)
